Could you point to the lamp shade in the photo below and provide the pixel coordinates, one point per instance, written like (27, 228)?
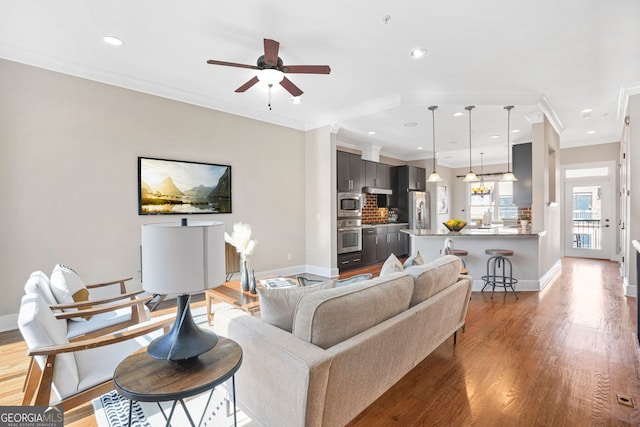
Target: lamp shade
(179, 259)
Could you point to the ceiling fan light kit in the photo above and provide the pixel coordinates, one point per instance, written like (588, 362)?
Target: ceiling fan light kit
(271, 70)
(435, 176)
(509, 176)
(470, 176)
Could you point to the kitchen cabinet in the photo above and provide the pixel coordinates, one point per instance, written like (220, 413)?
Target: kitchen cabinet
(350, 171)
(522, 169)
(380, 241)
(411, 178)
(377, 174)
(349, 261)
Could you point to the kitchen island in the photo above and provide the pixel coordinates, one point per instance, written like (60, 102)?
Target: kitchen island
(526, 260)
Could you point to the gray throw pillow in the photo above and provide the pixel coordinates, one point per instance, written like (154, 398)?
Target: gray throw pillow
(353, 279)
(278, 305)
(414, 260)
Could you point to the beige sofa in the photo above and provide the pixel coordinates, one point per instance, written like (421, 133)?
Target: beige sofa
(348, 346)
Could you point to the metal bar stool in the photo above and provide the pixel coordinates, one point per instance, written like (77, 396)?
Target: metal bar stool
(460, 253)
(499, 270)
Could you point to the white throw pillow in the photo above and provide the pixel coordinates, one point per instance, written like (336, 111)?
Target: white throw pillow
(68, 287)
(390, 266)
(278, 305)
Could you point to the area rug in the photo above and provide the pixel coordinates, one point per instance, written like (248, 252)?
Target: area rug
(112, 410)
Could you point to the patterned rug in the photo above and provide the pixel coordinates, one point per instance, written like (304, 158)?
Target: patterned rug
(112, 410)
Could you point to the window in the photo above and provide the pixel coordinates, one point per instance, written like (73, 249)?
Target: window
(494, 196)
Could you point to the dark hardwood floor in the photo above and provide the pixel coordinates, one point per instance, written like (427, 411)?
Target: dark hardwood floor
(558, 357)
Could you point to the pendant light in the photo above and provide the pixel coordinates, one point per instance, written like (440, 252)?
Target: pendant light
(471, 176)
(435, 176)
(509, 176)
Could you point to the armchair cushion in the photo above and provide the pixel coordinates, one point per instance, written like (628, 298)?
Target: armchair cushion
(38, 283)
(40, 328)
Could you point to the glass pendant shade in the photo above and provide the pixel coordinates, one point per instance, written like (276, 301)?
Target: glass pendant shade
(471, 176)
(435, 176)
(509, 176)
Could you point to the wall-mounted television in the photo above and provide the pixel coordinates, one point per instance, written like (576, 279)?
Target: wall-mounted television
(177, 187)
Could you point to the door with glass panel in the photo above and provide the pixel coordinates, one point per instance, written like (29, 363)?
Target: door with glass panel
(589, 213)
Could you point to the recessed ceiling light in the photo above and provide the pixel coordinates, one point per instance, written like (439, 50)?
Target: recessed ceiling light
(458, 114)
(418, 52)
(371, 132)
(296, 100)
(515, 130)
(586, 111)
(496, 136)
(591, 132)
(420, 148)
(410, 124)
(113, 41)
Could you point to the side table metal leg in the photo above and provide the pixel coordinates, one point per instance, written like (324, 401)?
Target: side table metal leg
(130, 411)
(235, 409)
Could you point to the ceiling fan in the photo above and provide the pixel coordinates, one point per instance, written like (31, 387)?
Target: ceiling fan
(272, 69)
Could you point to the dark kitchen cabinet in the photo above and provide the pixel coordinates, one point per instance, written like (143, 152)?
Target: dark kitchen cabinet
(350, 171)
(522, 169)
(411, 178)
(349, 261)
(369, 239)
(377, 174)
(381, 241)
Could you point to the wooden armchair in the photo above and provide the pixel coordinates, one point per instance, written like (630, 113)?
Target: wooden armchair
(95, 316)
(74, 372)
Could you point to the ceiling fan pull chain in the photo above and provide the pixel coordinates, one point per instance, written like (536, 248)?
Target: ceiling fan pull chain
(270, 97)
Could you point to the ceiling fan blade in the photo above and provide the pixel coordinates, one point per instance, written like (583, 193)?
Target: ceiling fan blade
(231, 64)
(271, 48)
(306, 69)
(248, 84)
(290, 87)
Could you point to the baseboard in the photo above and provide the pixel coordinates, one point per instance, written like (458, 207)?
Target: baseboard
(8, 322)
(550, 274)
(629, 290)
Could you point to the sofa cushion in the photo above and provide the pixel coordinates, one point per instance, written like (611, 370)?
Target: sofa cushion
(328, 317)
(278, 305)
(390, 266)
(433, 277)
(68, 287)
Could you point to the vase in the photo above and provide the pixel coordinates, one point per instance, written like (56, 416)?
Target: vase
(252, 282)
(244, 274)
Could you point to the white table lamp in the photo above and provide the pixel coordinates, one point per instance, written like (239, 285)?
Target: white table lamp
(182, 259)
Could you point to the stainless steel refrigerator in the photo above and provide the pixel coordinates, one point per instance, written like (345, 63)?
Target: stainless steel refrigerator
(418, 210)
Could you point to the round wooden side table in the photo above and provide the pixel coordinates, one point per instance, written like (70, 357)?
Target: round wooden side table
(142, 378)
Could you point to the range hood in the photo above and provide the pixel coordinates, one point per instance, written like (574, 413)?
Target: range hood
(376, 190)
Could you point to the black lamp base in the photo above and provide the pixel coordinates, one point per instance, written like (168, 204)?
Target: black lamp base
(185, 340)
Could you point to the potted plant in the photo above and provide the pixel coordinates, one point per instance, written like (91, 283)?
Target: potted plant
(524, 221)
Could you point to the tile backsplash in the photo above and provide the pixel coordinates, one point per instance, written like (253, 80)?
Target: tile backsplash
(371, 213)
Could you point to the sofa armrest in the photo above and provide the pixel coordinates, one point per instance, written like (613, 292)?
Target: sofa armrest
(282, 380)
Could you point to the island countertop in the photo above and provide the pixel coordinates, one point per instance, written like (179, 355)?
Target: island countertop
(476, 232)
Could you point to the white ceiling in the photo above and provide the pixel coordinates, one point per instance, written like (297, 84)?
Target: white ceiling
(556, 57)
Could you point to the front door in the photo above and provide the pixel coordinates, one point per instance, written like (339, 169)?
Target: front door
(589, 214)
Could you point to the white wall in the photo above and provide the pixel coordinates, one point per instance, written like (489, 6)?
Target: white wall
(68, 165)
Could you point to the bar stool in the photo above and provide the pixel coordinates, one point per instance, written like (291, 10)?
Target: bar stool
(499, 270)
(460, 253)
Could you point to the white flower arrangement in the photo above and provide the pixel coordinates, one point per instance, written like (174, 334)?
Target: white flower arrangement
(240, 239)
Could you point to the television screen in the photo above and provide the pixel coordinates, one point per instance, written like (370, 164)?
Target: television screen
(182, 187)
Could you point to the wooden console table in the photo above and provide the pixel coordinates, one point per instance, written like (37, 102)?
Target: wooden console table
(232, 293)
